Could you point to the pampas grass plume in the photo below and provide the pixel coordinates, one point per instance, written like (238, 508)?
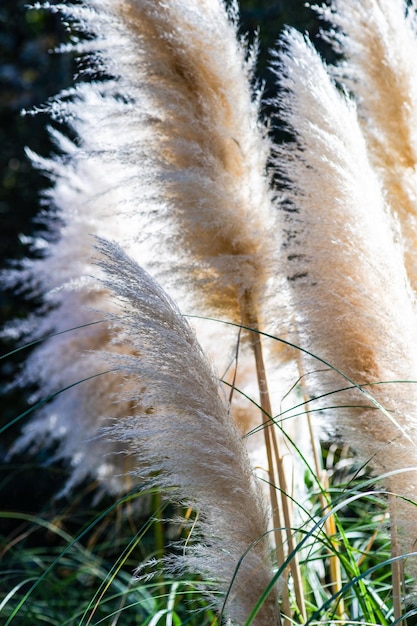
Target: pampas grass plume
(185, 441)
(81, 204)
(352, 302)
(378, 43)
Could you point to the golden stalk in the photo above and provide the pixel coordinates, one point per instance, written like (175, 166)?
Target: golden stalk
(277, 478)
(329, 524)
(395, 552)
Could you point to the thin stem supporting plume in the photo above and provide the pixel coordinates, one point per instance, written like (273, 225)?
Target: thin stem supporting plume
(276, 469)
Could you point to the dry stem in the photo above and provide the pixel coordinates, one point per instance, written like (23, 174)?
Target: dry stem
(277, 477)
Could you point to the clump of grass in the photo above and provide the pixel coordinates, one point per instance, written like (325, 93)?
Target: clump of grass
(323, 282)
(53, 576)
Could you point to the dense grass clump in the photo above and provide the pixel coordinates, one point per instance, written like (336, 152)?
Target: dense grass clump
(222, 284)
(54, 576)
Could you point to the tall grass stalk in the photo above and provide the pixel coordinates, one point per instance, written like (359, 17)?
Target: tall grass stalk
(275, 460)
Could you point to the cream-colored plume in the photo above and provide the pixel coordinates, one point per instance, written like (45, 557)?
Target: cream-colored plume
(352, 303)
(65, 367)
(184, 441)
(378, 41)
(195, 131)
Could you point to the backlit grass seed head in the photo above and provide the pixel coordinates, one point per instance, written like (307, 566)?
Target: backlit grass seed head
(188, 444)
(194, 117)
(81, 203)
(378, 41)
(352, 303)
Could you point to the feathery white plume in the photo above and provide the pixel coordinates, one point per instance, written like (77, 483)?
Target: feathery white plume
(85, 200)
(194, 126)
(378, 41)
(184, 440)
(182, 111)
(351, 299)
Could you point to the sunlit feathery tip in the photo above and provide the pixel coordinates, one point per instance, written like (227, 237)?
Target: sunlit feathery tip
(187, 443)
(352, 303)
